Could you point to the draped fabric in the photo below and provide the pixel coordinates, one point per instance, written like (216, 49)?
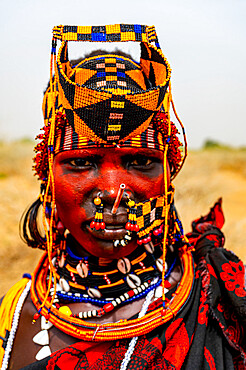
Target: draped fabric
(207, 333)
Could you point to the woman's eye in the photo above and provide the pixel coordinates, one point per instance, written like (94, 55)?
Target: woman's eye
(141, 161)
(80, 162)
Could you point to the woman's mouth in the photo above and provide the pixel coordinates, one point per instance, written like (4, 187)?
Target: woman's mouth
(114, 227)
(111, 232)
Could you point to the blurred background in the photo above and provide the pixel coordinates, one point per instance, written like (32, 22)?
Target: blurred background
(204, 41)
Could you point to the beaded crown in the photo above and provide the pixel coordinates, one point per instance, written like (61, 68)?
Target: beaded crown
(109, 98)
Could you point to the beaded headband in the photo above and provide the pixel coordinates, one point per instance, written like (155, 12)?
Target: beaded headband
(66, 138)
(96, 95)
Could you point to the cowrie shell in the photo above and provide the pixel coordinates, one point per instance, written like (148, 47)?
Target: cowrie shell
(159, 264)
(94, 293)
(124, 265)
(64, 285)
(82, 269)
(149, 247)
(62, 260)
(171, 248)
(133, 281)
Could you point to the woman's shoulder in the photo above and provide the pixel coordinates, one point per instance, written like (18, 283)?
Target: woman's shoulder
(16, 311)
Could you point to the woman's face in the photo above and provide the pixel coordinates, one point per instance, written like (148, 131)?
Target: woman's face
(81, 174)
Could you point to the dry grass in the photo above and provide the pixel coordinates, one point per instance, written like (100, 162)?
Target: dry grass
(207, 175)
(18, 188)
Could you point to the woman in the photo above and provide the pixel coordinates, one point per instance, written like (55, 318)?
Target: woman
(119, 285)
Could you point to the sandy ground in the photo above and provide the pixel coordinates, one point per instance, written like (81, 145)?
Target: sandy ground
(206, 176)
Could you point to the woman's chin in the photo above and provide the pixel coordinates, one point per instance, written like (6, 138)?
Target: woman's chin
(103, 248)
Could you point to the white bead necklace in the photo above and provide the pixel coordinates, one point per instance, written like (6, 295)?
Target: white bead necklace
(133, 341)
(14, 326)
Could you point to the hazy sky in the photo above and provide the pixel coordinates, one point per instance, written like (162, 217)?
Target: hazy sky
(203, 40)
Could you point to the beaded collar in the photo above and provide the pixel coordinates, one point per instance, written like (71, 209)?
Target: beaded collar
(87, 276)
(111, 331)
(84, 279)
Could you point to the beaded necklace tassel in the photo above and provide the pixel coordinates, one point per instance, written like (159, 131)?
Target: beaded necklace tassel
(169, 102)
(184, 135)
(166, 203)
(50, 188)
(132, 220)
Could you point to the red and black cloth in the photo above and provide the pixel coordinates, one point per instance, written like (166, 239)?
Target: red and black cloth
(209, 331)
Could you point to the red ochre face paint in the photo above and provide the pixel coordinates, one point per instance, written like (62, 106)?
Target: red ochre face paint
(80, 175)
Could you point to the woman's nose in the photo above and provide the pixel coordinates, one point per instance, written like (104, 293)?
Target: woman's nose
(111, 177)
(109, 195)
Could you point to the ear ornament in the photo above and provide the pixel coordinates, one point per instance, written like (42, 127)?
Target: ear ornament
(98, 220)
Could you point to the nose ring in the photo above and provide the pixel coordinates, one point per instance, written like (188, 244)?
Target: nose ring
(118, 198)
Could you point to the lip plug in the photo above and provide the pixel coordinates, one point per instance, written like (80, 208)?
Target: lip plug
(118, 198)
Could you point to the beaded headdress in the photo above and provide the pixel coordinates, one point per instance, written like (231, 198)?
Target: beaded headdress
(95, 95)
(108, 99)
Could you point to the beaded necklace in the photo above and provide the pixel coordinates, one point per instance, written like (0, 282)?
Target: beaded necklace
(14, 325)
(139, 292)
(88, 273)
(133, 341)
(128, 297)
(85, 276)
(119, 330)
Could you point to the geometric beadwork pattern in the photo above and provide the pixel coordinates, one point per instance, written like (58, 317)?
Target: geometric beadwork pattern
(110, 72)
(115, 32)
(151, 213)
(109, 98)
(68, 139)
